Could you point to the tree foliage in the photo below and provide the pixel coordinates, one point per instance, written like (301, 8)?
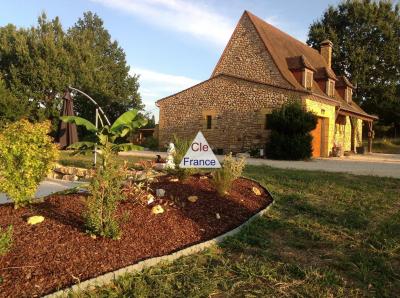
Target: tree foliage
(366, 39)
(11, 109)
(38, 63)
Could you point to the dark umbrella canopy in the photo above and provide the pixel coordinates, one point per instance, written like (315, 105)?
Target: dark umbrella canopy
(67, 133)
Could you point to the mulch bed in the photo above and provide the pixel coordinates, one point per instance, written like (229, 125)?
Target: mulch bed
(58, 253)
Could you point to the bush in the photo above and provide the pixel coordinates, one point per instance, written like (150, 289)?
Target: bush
(27, 154)
(231, 169)
(181, 147)
(106, 191)
(151, 143)
(290, 137)
(5, 240)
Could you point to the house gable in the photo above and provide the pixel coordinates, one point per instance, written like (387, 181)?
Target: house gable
(246, 56)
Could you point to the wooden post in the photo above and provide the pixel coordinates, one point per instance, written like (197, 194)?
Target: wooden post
(370, 136)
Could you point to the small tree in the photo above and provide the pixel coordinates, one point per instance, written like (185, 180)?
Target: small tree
(290, 132)
(105, 187)
(27, 154)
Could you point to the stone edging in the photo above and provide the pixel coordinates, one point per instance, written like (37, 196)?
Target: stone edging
(110, 276)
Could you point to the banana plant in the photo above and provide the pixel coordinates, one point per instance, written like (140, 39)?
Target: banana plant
(107, 135)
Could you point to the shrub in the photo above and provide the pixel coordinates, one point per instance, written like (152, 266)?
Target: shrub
(106, 191)
(27, 154)
(181, 147)
(231, 169)
(151, 143)
(5, 240)
(290, 137)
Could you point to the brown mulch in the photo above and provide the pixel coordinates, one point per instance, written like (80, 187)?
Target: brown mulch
(58, 253)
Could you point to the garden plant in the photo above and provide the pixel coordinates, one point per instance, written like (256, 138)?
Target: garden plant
(27, 154)
(5, 240)
(230, 170)
(105, 187)
(181, 147)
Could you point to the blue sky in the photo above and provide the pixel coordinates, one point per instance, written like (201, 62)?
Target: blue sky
(172, 44)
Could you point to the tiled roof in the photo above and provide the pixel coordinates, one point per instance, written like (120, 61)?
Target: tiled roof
(324, 73)
(298, 63)
(289, 54)
(343, 82)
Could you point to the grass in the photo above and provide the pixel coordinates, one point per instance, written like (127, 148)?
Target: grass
(388, 146)
(86, 161)
(327, 235)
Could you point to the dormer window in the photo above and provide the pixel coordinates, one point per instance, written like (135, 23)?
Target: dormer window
(345, 89)
(330, 87)
(302, 70)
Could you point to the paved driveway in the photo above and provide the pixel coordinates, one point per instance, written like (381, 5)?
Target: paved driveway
(46, 188)
(383, 165)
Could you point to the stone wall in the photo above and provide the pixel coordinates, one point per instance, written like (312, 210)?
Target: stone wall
(238, 108)
(246, 56)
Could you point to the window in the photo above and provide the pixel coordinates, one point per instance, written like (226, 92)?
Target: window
(209, 121)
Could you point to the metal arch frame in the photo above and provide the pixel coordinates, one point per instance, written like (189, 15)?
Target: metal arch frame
(98, 109)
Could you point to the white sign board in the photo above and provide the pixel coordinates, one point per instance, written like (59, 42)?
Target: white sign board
(200, 155)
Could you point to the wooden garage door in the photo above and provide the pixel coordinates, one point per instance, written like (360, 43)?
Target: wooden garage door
(317, 139)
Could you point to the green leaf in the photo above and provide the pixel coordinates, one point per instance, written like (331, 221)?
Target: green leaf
(125, 120)
(127, 147)
(103, 138)
(80, 121)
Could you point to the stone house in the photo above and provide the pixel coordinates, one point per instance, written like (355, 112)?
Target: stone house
(260, 69)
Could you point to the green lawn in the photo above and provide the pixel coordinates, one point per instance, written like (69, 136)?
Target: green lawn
(327, 235)
(389, 146)
(86, 161)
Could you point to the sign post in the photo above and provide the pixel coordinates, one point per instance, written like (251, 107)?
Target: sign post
(200, 155)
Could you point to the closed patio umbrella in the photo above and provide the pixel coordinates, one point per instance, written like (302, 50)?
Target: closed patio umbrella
(67, 133)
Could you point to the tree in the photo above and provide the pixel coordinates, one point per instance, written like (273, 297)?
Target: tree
(35, 65)
(39, 62)
(11, 109)
(366, 38)
(101, 70)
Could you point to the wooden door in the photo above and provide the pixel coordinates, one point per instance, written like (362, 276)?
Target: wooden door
(317, 139)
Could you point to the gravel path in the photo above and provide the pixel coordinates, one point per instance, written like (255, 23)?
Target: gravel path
(383, 165)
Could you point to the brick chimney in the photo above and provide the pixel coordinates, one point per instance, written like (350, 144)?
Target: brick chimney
(326, 51)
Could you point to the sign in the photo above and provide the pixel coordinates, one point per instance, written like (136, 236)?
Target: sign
(200, 155)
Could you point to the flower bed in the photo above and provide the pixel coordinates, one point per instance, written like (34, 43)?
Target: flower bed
(58, 253)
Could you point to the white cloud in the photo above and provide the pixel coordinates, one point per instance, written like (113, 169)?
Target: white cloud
(156, 85)
(179, 15)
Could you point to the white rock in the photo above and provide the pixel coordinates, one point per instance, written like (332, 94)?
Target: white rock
(150, 199)
(160, 192)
